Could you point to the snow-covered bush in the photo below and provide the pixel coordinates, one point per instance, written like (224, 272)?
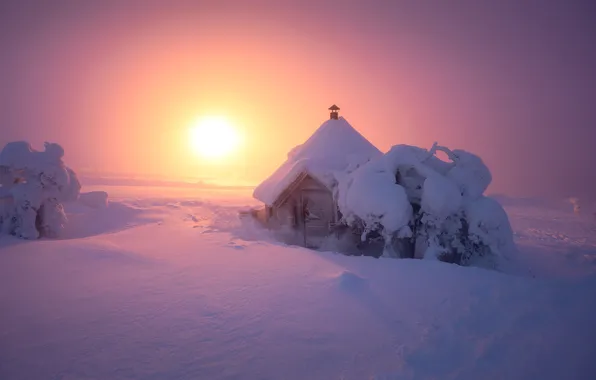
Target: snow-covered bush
(425, 207)
(366, 193)
(32, 186)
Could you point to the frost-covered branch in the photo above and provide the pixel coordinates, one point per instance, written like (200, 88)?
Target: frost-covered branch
(433, 150)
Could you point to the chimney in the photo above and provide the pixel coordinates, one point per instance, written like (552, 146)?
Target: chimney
(334, 112)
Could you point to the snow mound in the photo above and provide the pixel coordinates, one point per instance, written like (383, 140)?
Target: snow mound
(86, 221)
(334, 147)
(94, 199)
(349, 281)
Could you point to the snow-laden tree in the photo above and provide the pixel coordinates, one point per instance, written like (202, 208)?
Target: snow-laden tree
(33, 186)
(425, 207)
(363, 200)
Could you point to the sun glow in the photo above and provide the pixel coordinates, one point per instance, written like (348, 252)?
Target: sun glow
(214, 137)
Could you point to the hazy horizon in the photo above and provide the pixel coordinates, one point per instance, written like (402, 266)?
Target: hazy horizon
(118, 83)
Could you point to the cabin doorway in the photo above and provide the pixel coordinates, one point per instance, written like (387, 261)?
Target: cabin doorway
(317, 212)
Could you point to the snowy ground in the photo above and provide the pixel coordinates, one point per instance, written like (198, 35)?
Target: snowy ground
(168, 284)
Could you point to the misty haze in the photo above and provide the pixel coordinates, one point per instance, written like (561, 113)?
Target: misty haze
(297, 189)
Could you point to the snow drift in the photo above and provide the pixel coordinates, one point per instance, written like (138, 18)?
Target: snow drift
(163, 286)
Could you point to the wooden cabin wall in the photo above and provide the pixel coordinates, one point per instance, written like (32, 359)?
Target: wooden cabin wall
(289, 213)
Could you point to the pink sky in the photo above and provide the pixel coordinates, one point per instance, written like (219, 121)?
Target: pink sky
(119, 83)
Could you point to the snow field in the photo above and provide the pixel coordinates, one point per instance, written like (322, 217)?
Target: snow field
(166, 286)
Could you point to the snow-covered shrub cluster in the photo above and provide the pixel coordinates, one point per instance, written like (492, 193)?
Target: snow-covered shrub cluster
(422, 206)
(33, 185)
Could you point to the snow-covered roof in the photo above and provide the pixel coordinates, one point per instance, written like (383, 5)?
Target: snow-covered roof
(333, 147)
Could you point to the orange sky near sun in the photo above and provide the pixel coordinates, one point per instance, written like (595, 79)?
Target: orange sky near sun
(147, 94)
(119, 83)
(121, 93)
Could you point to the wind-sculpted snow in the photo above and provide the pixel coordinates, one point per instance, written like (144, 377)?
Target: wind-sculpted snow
(164, 287)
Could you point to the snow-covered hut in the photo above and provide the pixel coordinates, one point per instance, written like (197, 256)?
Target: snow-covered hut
(300, 194)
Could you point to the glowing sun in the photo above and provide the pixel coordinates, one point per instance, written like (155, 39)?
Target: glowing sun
(214, 137)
